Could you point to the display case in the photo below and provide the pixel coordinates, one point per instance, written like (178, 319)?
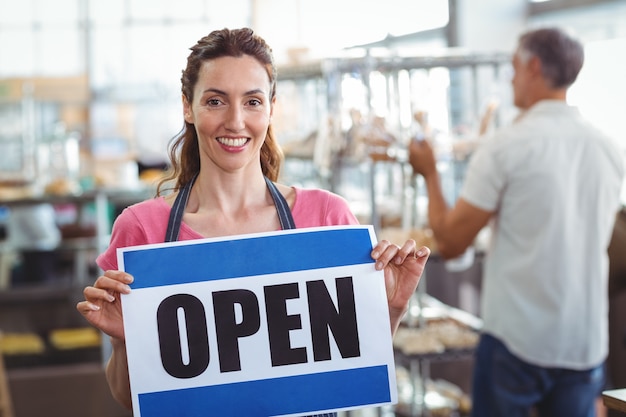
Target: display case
(433, 332)
(39, 320)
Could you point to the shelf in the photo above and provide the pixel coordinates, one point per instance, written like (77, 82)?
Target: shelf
(37, 293)
(62, 346)
(452, 59)
(447, 355)
(53, 357)
(117, 195)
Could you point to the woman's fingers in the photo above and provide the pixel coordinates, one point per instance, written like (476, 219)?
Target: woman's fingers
(114, 281)
(407, 250)
(87, 306)
(105, 290)
(386, 252)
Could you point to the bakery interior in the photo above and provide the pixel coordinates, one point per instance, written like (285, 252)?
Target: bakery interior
(90, 97)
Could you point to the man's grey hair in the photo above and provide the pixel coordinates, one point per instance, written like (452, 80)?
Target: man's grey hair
(561, 55)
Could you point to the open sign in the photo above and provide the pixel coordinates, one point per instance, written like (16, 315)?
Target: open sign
(297, 325)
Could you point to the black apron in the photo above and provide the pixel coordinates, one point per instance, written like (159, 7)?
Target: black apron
(178, 209)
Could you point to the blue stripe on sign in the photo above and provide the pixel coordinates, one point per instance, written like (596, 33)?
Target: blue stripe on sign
(271, 254)
(275, 396)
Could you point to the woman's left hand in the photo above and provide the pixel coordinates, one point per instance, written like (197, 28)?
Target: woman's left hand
(403, 267)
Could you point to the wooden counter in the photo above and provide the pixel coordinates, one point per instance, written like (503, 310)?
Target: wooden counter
(615, 399)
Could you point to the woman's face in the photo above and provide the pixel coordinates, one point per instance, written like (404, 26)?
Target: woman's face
(231, 111)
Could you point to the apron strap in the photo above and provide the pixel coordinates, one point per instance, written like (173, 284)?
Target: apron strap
(284, 213)
(178, 209)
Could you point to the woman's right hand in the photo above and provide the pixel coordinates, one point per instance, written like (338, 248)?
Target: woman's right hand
(102, 306)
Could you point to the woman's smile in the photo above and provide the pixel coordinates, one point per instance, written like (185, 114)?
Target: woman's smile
(233, 142)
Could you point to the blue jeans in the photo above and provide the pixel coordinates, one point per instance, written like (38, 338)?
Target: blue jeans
(506, 386)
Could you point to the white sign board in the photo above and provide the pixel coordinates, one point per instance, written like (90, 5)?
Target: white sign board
(286, 323)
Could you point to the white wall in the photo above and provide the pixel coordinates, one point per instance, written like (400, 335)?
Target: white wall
(490, 25)
(327, 26)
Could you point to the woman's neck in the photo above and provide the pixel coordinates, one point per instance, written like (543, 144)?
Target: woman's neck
(228, 193)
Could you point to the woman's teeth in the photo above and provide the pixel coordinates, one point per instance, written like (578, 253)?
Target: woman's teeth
(234, 143)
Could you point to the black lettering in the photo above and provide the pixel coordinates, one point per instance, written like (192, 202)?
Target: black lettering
(279, 323)
(228, 331)
(341, 320)
(169, 336)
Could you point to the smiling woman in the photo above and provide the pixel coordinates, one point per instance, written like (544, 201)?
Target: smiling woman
(225, 162)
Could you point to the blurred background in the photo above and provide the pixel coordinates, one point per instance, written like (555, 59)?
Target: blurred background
(90, 98)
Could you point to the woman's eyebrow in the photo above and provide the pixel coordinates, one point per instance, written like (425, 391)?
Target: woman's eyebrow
(214, 90)
(247, 93)
(255, 91)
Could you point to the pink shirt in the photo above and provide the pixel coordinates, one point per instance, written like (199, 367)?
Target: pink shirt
(146, 222)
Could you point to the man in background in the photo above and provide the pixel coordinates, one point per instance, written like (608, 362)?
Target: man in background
(550, 186)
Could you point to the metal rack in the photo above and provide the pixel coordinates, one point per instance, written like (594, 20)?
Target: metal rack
(316, 90)
(419, 364)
